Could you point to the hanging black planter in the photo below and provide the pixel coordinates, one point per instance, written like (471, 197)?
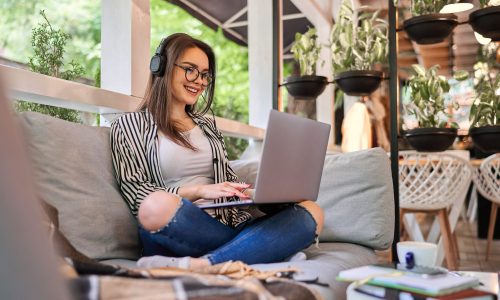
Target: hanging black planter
(431, 139)
(359, 83)
(430, 29)
(486, 138)
(486, 21)
(305, 87)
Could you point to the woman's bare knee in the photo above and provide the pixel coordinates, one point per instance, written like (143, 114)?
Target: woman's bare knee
(157, 209)
(317, 213)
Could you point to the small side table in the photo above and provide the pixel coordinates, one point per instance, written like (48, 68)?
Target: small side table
(488, 280)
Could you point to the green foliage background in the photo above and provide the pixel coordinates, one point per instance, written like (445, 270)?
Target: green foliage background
(82, 20)
(48, 44)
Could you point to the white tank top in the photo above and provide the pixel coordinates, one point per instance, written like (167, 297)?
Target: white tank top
(181, 166)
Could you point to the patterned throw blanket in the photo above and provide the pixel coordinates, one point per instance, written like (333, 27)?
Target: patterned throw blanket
(230, 280)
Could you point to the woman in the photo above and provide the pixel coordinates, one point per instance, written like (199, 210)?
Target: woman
(168, 155)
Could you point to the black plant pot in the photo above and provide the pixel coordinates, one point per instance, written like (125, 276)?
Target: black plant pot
(305, 87)
(486, 21)
(430, 29)
(359, 83)
(486, 138)
(431, 139)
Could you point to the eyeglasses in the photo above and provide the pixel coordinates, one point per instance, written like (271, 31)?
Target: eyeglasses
(192, 73)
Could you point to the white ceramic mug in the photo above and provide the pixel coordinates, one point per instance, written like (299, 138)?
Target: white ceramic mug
(424, 254)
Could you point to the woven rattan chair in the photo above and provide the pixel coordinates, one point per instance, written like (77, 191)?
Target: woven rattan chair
(431, 183)
(487, 181)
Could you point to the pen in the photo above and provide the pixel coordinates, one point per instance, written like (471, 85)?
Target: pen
(458, 274)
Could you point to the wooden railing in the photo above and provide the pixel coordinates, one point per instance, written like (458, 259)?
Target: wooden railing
(34, 87)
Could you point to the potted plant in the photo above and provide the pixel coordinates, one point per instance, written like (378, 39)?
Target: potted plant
(427, 89)
(306, 51)
(358, 40)
(485, 20)
(485, 110)
(428, 26)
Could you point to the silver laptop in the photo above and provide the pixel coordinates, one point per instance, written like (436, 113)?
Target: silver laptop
(292, 161)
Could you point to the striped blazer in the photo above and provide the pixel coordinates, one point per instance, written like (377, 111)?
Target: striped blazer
(134, 146)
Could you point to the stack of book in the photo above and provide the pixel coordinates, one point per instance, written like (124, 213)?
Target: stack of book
(391, 283)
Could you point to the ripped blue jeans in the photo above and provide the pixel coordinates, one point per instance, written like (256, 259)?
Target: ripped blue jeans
(192, 232)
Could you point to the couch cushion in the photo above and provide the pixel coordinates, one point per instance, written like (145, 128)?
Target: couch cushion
(325, 262)
(356, 194)
(74, 173)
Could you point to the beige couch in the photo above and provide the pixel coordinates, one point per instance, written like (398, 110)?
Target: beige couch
(73, 170)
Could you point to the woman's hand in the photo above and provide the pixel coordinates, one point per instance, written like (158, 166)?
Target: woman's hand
(249, 193)
(214, 191)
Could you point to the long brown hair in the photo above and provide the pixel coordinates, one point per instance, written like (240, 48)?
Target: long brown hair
(158, 96)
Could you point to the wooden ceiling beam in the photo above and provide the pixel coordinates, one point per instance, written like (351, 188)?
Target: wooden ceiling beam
(382, 5)
(406, 48)
(444, 71)
(408, 60)
(470, 60)
(435, 53)
(420, 49)
(405, 45)
(438, 60)
(443, 63)
(444, 43)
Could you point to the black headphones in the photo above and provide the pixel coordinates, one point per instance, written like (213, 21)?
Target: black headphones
(158, 61)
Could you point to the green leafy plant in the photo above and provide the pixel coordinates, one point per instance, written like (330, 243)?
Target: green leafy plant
(305, 50)
(48, 59)
(427, 90)
(425, 7)
(48, 45)
(358, 39)
(485, 109)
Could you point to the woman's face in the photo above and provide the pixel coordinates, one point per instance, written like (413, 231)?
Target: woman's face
(185, 91)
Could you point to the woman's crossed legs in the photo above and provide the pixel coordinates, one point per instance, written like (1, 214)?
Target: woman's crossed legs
(177, 228)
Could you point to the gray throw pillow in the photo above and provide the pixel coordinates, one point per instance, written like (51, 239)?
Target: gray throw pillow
(73, 171)
(357, 196)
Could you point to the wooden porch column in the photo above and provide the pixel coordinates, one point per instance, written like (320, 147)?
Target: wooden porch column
(260, 61)
(125, 39)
